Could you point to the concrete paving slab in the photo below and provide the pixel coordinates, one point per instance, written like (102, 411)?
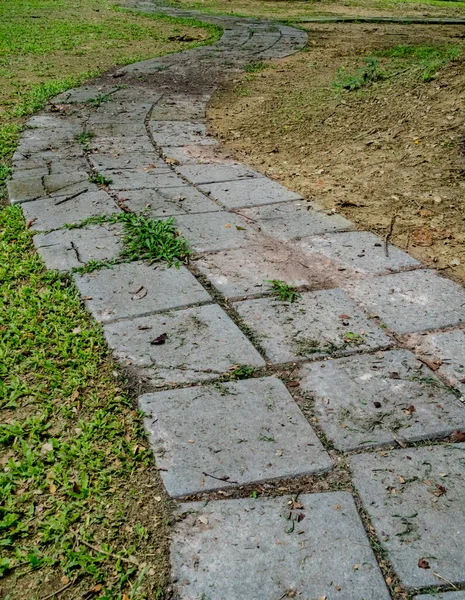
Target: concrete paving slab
(360, 251)
(373, 400)
(294, 220)
(250, 192)
(164, 202)
(239, 433)
(257, 549)
(180, 133)
(247, 271)
(322, 323)
(180, 107)
(63, 250)
(47, 214)
(445, 352)
(120, 145)
(195, 154)
(220, 231)
(25, 188)
(413, 301)
(212, 173)
(197, 344)
(109, 130)
(62, 184)
(119, 112)
(84, 93)
(138, 289)
(415, 499)
(133, 179)
(135, 160)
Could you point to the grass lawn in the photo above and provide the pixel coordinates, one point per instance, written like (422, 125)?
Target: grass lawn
(47, 46)
(82, 511)
(295, 10)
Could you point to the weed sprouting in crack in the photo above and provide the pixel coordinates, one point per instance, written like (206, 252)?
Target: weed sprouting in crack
(285, 291)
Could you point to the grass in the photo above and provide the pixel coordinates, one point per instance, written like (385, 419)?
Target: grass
(284, 291)
(100, 179)
(144, 238)
(73, 454)
(413, 62)
(42, 39)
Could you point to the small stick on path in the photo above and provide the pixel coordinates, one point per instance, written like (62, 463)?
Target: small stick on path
(389, 234)
(71, 197)
(219, 478)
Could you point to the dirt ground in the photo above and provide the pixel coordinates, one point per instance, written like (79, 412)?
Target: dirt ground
(396, 147)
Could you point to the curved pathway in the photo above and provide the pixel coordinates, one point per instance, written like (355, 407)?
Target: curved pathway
(370, 355)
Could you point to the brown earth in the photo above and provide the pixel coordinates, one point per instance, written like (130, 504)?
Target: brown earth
(393, 148)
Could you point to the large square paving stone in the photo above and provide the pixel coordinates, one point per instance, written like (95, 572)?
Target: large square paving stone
(359, 251)
(138, 289)
(164, 202)
(294, 220)
(251, 549)
(245, 272)
(213, 173)
(319, 323)
(199, 344)
(53, 213)
(248, 192)
(445, 350)
(67, 249)
(416, 501)
(215, 231)
(240, 433)
(370, 400)
(180, 133)
(413, 301)
(133, 179)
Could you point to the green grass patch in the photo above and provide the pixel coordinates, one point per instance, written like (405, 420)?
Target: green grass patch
(363, 77)
(284, 291)
(255, 67)
(100, 179)
(76, 483)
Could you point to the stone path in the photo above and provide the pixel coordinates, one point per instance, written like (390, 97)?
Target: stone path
(368, 362)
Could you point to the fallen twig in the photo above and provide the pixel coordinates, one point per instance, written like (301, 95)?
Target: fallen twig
(62, 589)
(389, 234)
(446, 580)
(112, 554)
(71, 197)
(219, 478)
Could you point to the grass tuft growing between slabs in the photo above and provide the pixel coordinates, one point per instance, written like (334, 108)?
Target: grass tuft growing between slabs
(81, 504)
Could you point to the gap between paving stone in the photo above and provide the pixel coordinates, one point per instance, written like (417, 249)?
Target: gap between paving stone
(249, 229)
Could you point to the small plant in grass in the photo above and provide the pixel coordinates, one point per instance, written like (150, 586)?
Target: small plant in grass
(255, 67)
(100, 179)
(284, 291)
(363, 77)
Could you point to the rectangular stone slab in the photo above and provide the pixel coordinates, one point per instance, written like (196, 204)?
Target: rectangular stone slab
(211, 173)
(446, 352)
(47, 214)
(249, 192)
(314, 325)
(66, 249)
(165, 202)
(215, 231)
(256, 549)
(372, 400)
(413, 301)
(180, 133)
(135, 160)
(180, 107)
(201, 343)
(415, 499)
(114, 293)
(359, 251)
(133, 179)
(245, 272)
(294, 220)
(241, 433)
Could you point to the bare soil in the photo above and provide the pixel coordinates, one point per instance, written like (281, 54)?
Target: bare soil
(394, 148)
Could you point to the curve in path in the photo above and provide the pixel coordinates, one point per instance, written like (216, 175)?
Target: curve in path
(372, 350)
